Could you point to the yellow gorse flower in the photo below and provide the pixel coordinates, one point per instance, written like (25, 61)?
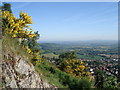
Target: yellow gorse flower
(16, 26)
(36, 55)
(28, 49)
(31, 35)
(75, 67)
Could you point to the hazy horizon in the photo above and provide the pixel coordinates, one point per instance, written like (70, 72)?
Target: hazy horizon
(40, 41)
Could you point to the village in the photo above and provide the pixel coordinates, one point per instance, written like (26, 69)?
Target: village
(109, 66)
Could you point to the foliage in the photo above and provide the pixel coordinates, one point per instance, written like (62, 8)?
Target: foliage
(76, 68)
(52, 73)
(32, 42)
(104, 81)
(34, 47)
(7, 7)
(110, 82)
(0, 22)
(17, 27)
(28, 49)
(36, 58)
(99, 76)
(66, 56)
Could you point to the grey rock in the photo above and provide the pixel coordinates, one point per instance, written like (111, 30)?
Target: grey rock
(22, 74)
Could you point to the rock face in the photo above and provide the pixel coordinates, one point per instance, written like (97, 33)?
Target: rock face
(19, 73)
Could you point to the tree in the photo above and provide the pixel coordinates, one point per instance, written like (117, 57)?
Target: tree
(66, 56)
(34, 47)
(110, 82)
(7, 7)
(32, 42)
(99, 76)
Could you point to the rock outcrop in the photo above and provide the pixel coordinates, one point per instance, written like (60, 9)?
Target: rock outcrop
(18, 72)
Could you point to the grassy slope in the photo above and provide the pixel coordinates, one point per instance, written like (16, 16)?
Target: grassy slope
(47, 75)
(56, 77)
(0, 48)
(13, 47)
(0, 60)
(59, 78)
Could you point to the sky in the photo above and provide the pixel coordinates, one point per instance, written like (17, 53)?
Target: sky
(71, 21)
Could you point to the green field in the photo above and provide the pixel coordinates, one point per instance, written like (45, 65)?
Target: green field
(89, 57)
(91, 51)
(50, 55)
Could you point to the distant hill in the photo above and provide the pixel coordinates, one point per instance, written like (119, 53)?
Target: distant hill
(85, 43)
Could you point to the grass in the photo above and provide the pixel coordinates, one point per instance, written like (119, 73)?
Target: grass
(47, 75)
(0, 48)
(97, 57)
(59, 78)
(47, 71)
(0, 59)
(12, 46)
(50, 55)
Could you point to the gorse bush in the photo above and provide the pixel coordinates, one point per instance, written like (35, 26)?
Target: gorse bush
(66, 56)
(76, 68)
(17, 27)
(64, 78)
(27, 49)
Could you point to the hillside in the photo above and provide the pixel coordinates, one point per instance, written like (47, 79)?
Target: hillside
(0, 61)
(18, 71)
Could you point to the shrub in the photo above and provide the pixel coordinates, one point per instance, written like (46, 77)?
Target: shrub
(64, 78)
(76, 68)
(17, 27)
